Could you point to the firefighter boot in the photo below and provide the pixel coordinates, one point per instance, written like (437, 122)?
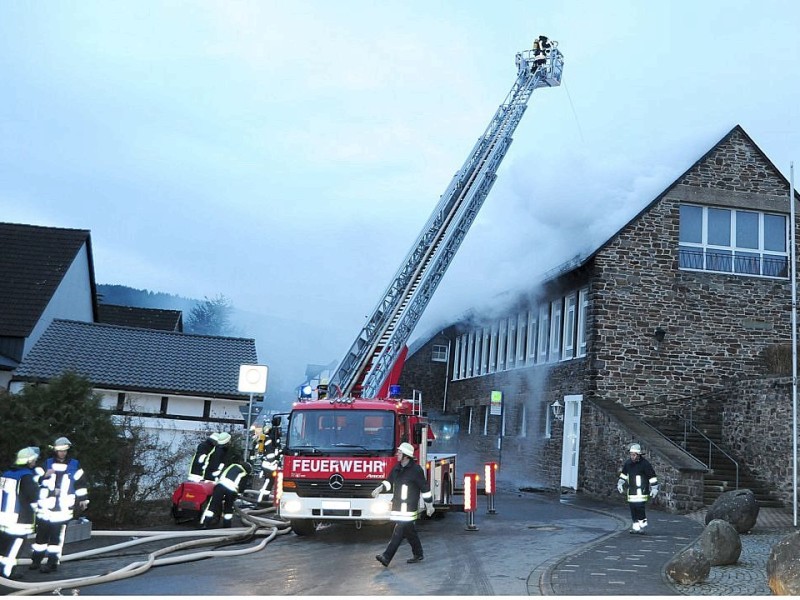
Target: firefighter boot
(382, 559)
(36, 561)
(50, 565)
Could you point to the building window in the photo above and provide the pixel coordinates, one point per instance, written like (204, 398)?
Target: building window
(532, 330)
(522, 335)
(544, 332)
(493, 350)
(725, 240)
(501, 345)
(462, 371)
(164, 405)
(439, 353)
(456, 357)
(583, 304)
(555, 329)
(511, 354)
(485, 351)
(121, 401)
(476, 359)
(568, 346)
(470, 353)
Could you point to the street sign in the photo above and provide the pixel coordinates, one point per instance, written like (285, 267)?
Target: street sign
(256, 410)
(496, 406)
(253, 379)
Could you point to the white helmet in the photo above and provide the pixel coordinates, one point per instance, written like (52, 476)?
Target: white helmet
(62, 443)
(636, 448)
(26, 455)
(222, 438)
(406, 449)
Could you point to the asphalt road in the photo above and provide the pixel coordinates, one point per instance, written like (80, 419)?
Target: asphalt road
(503, 557)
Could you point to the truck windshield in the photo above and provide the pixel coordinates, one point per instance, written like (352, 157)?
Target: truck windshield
(341, 430)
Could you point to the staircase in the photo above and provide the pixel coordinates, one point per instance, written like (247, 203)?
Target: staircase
(704, 442)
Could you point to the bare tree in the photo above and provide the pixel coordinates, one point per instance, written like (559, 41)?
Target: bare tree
(211, 317)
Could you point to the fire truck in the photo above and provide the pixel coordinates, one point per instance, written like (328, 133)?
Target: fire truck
(340, 445)
(338, 451)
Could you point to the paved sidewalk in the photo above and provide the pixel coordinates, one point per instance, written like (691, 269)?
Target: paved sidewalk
(624, 564)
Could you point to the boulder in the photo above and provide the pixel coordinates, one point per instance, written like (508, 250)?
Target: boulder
(783, 566)
(688, 567)
(720, 543)
(739, 508)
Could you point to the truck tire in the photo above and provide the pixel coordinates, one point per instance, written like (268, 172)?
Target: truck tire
(303, 527)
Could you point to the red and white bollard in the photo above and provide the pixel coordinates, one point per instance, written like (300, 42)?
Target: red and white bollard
(490, 487)
(470, 499)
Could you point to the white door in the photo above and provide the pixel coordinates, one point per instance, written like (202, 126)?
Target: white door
(570, 445)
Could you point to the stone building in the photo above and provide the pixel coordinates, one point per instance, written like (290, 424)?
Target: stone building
(672, 334)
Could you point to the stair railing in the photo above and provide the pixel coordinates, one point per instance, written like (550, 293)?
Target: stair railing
(711, 446)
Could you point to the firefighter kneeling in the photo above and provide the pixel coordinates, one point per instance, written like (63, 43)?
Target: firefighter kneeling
(407, 482)
(228, 487)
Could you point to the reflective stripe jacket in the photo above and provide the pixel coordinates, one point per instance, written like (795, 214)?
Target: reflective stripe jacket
(408, 484)
(232, 477)
(640, 477)
(61, 487)
(19, 492)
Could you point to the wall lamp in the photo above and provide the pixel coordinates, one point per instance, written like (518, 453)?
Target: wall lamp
(659, 334)
(558, 410)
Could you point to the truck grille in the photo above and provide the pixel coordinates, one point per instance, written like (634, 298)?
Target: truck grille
(321, 489)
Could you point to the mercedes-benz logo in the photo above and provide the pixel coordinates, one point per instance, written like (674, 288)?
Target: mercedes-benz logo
(336, 481)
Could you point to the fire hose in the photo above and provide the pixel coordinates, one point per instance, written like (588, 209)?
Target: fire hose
(256, 525)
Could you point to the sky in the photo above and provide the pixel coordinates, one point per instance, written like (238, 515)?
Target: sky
(287, 154)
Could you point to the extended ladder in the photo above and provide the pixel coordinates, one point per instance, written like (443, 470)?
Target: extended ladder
(369, 360)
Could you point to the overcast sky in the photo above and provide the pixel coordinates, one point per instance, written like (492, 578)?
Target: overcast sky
(286, 154)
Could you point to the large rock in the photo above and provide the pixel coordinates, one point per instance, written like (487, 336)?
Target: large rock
(688, 567)
(783, 566)
(720, 543)
(739, 508)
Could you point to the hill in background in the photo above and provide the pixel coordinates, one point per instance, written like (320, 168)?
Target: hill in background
(285, 346)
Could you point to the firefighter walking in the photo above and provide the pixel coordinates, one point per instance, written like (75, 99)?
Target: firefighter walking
(640, 479)
(407, 483)
(61, 490)
(19, 492)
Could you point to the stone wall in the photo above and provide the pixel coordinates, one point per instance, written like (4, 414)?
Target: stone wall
(757, 428)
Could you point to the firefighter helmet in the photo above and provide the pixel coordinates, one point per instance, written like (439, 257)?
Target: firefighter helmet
(636, 448)
(406, 449)
(62, 443)
(223, 438)
(26, 455)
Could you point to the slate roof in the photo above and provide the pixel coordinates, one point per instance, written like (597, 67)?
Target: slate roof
(143, 360)
(134, 316)
(33, 261)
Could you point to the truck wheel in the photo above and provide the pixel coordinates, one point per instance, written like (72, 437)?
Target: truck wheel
(303, 527)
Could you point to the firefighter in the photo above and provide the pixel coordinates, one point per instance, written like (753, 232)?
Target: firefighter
(61, 489)
(19, 492)
(642, 484)
(209, 457)
(407, 482)
(230, 484)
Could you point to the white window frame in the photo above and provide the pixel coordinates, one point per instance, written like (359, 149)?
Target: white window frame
(707, 251)
(568, 343)
(583, 311)
(511, 343)
(544, 333)
(501, 345)
(493, 349)
(555, 328)
(470, 353)
(457, 359)
(522, 337)
(476, 357)
(485, 351)
(439, 353)
(533, 329)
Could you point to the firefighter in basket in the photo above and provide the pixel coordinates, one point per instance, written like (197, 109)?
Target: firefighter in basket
(407, 483)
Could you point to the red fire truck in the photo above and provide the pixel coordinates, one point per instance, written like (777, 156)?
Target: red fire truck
(337, 451)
